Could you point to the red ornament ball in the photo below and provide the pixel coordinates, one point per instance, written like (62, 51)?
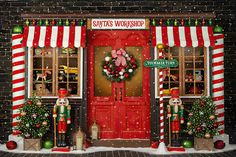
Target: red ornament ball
(126, 75)
(154, 144)
(219, 144)
(215, 125)
(199, 129)
(105, 67)
(29, 102)
(134, 66)
(38, 125)
(11, 145)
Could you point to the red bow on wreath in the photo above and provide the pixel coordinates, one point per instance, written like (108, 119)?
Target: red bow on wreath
(120, 55)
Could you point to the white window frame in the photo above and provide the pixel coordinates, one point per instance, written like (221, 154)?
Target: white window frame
(48, 97)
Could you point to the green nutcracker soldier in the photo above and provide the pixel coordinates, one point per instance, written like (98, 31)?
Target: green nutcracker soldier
(61, 115)
(175, 115)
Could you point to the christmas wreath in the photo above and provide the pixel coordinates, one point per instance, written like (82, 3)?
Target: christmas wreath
(119, 65)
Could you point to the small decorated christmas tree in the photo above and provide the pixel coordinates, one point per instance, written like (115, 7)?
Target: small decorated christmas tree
(202, 119)
(34, 119)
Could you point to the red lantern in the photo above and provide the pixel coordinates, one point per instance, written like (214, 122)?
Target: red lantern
(11, 145)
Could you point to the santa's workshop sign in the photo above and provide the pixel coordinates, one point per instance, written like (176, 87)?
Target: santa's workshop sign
(118, 23)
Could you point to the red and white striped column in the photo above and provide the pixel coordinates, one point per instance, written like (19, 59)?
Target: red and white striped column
(218, 79)
(18, 78)
(161, 100)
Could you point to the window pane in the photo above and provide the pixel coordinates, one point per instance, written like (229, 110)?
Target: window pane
(134, 87)
(102, 86)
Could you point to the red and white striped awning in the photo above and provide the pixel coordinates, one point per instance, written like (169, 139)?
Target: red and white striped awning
(54, 36)
(194, 36)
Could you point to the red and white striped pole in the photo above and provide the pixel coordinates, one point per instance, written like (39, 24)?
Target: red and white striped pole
(162, 148)
(218, 79)
(18, 76)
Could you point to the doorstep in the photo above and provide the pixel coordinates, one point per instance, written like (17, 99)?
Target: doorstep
(118, 143)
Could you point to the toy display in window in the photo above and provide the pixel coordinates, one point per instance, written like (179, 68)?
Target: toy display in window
(198, 75)
(61, 115)
(175, 115)
(70, 72)
(68, 50)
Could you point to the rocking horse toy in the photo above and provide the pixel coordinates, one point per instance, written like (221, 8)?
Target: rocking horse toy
(43, 75)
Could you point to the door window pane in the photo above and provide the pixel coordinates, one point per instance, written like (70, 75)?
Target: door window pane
(134, 87)
(102, 86)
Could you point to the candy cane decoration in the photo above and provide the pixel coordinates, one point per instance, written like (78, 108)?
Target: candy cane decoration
(18, 78)
(218, 79)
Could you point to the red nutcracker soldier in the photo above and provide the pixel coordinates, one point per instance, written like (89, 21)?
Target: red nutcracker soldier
(175, 115)
(61, 115)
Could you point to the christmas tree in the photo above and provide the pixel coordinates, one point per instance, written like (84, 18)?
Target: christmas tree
(34, 119)
(202, 119)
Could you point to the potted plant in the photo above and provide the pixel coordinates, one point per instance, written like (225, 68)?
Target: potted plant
(34, 123)
(202, 123)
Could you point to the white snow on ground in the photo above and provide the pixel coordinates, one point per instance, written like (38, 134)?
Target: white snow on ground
(99, 149)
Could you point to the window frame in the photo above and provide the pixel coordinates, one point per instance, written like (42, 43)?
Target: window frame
(29, 79)
(207, 65)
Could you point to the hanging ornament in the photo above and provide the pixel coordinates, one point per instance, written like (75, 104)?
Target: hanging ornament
(168, 22)
(190, 132)
(189, 123)
(207, 135)
(23, 113)
(215, 125)
(46, 114)
(199, 129)
(27, 125)
(33, 22)
(160, 46)
(67, 22)
(17, 29)
(153, 22)
(160, 22)
(81, 22)
(40, 22)
(46, 22)
(72, 23)
(203, 22)
(190, 114)
(34, 115)
(39, 103)
(27, 22)
(212, 117)
(53, 22)
(210, 22)
(59, 22)
(175, 22)
(29, 102)
(196, 22)
(182, 22)
(45, 123)
(37, 125)
(189, 22)
(218, 29)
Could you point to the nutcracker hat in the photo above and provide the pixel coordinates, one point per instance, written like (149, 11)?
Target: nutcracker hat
(62, 92)
(174, 93)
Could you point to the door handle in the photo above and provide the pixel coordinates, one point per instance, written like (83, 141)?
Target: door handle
(120, 94)
(115, 94)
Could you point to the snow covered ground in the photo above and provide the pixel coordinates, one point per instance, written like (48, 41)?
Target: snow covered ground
(99, 149)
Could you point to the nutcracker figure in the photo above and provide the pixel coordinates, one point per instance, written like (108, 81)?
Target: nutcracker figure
(61, 115)
(175, 115)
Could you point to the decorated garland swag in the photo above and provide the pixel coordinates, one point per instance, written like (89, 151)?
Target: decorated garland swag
(119, 66)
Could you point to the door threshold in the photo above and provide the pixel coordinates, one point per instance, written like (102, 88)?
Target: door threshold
(118, 143)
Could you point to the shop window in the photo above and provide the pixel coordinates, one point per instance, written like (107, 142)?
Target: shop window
(190, 76)
(53, 68)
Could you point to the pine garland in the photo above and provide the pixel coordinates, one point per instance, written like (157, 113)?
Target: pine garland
(202, 119)
(34, 119)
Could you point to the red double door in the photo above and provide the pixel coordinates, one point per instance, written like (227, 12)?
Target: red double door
(121, 109)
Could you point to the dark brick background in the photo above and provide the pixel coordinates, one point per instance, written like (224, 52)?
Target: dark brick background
(11, 10)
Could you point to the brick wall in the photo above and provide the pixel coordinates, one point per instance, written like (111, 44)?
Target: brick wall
(10, 11)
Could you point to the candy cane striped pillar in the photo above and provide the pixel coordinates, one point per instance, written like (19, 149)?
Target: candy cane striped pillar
(218, 79)
(18, 78)
(162, 148)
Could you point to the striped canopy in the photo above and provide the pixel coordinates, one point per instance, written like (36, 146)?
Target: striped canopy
(54, 36)
(182, 36)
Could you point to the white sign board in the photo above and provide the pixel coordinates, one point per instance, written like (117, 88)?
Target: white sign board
(119, 24)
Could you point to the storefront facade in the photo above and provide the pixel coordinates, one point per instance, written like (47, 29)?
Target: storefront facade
(47, 57)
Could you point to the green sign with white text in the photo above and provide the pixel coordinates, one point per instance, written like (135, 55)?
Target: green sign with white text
(161, 63)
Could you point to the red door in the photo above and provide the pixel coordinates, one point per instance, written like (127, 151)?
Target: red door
(122, 110)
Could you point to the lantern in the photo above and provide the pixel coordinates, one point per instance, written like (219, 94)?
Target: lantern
(79, 139)
(94, 131)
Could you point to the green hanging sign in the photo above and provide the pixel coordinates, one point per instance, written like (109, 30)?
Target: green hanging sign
(161, 63)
